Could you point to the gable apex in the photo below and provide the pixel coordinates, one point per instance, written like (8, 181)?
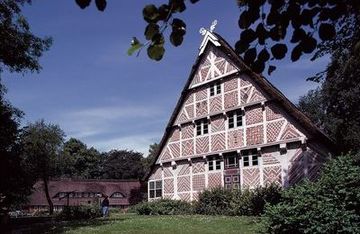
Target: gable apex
(208, 37)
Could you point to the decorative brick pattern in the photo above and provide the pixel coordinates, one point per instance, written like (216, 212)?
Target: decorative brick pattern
(216, 104)
(198, 166)
(190, 110)
(254, 135)
(244, 81)
(272, 112)
(231, 99)
(175, 149)
(296, 167)
(201, 94)
(251, 177)
(217, 123)
(184, 169)
(187, 147)
(195, 196)
(245, 95)
(221, 66)
(187, 131)
(272, 175)
(165, 155)
(181, 117)
(175, 135)
(269, 159)
(214, 180)
(273, 130)
(156, 174)
(189, 98)
(168, 185)
(168, 196)
(185, 197)
(256, 96)
(218, 142)
(202, 145)
(236, 138)
(183, 183)
(253, 115)
(168, 172)
(231, 84)
(289, 132)
(230, 68)
(198, 182)
(201, 108)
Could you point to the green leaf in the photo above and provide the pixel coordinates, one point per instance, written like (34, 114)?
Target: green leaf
(271, 69)
(248, 36)
(100, 4)
(264, 55)
(151, 30)
(279, 50)
(177, 5)
(156, 52)
(250, 56)
(241, 47)
(296, 53)
(326, 32)
(83, 3)
(135, 45)
(258, 66)
(150, 13)
(176, 39)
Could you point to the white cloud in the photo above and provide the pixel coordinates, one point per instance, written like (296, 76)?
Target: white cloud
(114, 127)
(139, 142)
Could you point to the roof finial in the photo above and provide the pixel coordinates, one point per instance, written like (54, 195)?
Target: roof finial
(213, 25)
(203, 30)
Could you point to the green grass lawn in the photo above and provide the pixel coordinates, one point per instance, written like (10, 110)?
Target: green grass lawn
(130, 223)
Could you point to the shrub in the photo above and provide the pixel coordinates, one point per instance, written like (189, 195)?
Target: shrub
(79, 212)
(163, 207)
(221, 201)
(216, 201)
(329, 205)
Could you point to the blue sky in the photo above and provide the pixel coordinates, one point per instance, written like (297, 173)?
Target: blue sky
(98, 94)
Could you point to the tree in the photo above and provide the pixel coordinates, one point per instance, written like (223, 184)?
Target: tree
(123, 164)
(41, 144)
(309, 25)
(20, 49)
(329, 205)
(79, 161)
(15, 184)
(149, 160)
(335, 106)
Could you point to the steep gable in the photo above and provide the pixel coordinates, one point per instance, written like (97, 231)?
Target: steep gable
(269, 117)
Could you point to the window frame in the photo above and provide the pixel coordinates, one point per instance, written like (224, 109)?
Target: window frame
(215, 89)
(235, 119)
(202, 127)
(252, 159)
(214, 163)
(156, 190)
(227, 165)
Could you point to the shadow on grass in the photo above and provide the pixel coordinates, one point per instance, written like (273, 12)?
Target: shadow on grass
(61, 226)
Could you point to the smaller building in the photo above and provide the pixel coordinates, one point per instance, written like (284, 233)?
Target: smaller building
(71, 192)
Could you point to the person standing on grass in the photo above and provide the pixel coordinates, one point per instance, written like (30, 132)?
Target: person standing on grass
(105, 206)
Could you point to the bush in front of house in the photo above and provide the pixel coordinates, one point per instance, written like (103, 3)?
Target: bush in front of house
(79, 212)
(329, 205)
(163, 207)
(220, 201)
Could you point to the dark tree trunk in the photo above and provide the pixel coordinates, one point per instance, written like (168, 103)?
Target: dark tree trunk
(48, 198)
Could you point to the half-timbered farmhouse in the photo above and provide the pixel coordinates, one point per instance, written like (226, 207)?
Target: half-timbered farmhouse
(232, 128)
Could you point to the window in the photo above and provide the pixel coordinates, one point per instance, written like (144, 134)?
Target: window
(231, 161)
(155, 189)
(251, 158)
(202, 127)
(214, 163)
(117, 195)
(235, 119)
(215, 89)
